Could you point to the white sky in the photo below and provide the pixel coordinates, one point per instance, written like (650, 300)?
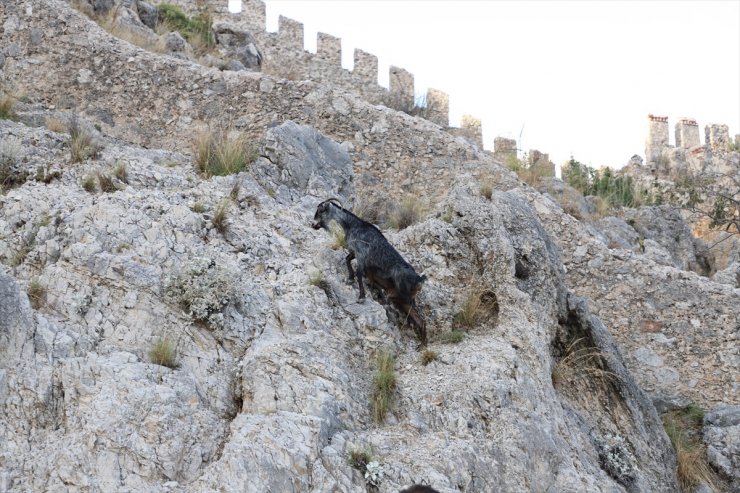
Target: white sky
(572, 77)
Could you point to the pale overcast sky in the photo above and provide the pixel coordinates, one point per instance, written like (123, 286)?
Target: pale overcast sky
(574, 77)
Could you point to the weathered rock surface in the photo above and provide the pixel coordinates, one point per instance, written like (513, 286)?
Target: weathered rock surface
(273, 395)
(722, 438)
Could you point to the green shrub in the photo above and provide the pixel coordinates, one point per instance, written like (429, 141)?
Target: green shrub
(384, 385)
(197, 30)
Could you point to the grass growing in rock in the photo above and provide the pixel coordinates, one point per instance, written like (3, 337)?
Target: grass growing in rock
(163, 353)
(121, 172)
(428, 356)
(10, 174)
(384, 385)
(359, 458)
(36, 294)
(106, 182)
(684, 429)
(408, 212)
(6, 107)
(196, 30)
(88, 184)
(581, 363)
(219, 153)
(452, 337)
(478, 306)
(486, 189)
(82, 145)
(198, 208)
(220, 219)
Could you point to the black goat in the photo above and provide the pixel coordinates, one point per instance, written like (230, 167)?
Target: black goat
(377, 260)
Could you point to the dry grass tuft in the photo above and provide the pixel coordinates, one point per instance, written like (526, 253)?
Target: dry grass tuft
(6, 107)
(684, 428)
(36, 294)
(220, 217)
(428, 356)
(81, 144)
(486, 189)
(56, 124)
(106, 182)
(478, 306)
(219, 153)
(235, 189)
(121, 172)
(408, 212)
(88, 184)
(198, 208)
(163, 353)
(359, 459)
(384, 385)
(581, 363)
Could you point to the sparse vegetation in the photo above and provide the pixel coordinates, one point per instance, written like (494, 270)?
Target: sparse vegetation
(56, 124)
(36, 294)
(359, 458)
(219, 153)
(581, 363)
(196, 30)
(486, 189)
(203, 290)
(27, 243)
(220, 217)
(106, 183)
(316, 278)
(477, 306)
(163, 353)
(684, 429)
(10, 174)
(121, 172)
(408, 212)
(428, 356)
(384, 385)
(235, 189)
(88, 183)
(6, 107)
(452, 337)
(81, 143)
(615, 190)
(198, 208)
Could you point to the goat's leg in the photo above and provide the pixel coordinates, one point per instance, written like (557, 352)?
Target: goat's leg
(350, 256)
(360, 284)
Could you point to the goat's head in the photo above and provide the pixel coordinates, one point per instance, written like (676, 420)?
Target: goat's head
(324, 213)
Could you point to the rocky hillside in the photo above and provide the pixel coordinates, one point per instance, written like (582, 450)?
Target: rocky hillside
(161, 330)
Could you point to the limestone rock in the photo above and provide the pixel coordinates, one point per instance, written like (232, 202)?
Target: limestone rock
(722, 438)
(305, 162)
(239, 45)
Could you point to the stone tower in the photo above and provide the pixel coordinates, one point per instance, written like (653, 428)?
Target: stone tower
(717, 137)
(657, 138)
(687, 133)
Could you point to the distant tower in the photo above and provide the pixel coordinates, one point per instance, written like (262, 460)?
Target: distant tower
(717, 137)
(657, 138)
(687, 133)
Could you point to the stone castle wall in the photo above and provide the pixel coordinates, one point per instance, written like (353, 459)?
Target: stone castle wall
(716, 139)
(284, 56)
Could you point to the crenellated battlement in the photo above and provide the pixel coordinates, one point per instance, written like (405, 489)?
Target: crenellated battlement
(284, 56)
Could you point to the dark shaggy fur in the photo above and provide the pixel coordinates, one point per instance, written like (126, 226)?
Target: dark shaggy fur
(377, 260)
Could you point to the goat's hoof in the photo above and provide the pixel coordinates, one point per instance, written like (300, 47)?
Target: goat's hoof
(361, 299)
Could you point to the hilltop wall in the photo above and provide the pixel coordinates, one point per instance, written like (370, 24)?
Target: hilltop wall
(160, 101)
(284, 56)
